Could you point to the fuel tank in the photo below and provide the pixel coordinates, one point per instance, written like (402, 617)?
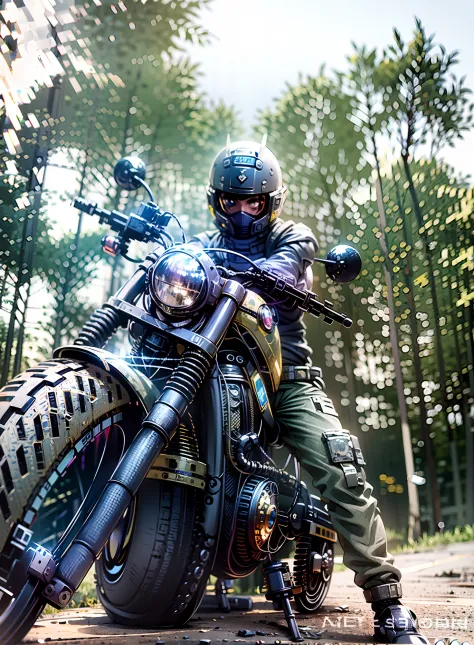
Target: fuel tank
(252, 318)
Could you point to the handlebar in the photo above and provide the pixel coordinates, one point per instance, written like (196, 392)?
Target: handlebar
(305, 300)
(145, 226)
(149, 224)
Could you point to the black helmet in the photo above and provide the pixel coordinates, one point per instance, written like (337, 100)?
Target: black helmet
(242, 170)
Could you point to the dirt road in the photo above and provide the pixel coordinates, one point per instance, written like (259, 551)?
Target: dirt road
(438, 585)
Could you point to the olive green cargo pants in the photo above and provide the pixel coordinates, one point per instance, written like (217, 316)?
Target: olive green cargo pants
(304, 412)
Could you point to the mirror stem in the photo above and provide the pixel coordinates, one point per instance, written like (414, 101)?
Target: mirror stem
(146, 187)
(325, 261)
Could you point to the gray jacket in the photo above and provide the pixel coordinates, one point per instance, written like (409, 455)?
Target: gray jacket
(287, 248)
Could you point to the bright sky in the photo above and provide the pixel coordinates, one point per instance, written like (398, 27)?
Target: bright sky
(259, 45)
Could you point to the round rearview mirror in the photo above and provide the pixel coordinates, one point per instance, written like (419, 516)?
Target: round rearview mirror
(343, 263)
(127, 171)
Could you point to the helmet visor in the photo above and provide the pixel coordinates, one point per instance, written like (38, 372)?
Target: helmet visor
(253, 205)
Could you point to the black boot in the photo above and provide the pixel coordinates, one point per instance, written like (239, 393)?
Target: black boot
(393, 623)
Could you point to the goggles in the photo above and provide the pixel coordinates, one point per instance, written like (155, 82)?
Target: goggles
(252, 205)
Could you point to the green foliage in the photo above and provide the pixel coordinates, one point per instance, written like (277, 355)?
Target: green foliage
(125, 91)
(85, 596)
(69, 276)
(11, 189)
(426, 542)
(115, 31)
(147, 103)
(426, 102)
(442, 193)
(320, 149)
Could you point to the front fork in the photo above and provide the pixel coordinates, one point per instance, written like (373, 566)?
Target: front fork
(157, 430)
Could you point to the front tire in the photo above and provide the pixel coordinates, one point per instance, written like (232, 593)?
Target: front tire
(49, 415)
(160, 573)
(155, 566)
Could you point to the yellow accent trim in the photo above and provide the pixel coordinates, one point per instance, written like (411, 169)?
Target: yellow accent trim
(323, 532)
(278, 367)
(193, 473)
(268, 343)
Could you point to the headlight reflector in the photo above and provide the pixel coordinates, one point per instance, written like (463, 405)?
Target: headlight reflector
(178, 281)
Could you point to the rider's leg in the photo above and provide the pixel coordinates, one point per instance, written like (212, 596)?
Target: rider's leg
(304, 414)
(311, 429)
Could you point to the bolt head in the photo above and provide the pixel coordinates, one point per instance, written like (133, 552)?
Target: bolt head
(49, 590)
(64, 597)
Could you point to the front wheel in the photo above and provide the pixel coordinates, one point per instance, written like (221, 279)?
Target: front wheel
(154, 569)
(59, 422)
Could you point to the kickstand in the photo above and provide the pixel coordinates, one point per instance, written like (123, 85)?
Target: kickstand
(277, 578)
(221, 594)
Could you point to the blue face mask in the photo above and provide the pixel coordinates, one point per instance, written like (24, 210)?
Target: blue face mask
(241, 223)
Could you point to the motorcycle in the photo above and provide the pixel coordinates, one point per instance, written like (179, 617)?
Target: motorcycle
(173, 438)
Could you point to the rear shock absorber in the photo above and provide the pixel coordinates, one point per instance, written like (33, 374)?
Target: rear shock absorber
(102, 324)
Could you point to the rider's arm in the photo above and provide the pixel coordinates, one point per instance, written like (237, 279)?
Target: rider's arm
(291, 249)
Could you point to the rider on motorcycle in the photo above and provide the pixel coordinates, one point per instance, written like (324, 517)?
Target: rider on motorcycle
(246, 195)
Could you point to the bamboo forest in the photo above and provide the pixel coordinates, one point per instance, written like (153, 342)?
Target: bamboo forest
(362, 152)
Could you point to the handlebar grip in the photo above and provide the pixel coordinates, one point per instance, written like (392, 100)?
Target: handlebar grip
(117, 221)
(302, 298)
(328, 314)
(341, 318)
(86, 207)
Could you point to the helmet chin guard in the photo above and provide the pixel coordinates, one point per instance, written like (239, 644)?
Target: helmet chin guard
(244, 169)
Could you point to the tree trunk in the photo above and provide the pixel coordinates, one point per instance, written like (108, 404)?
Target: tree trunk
(429, 447)
(468, 510)
(7, 351)
(414, 529)
(470, 409)
(458, 497)
(35, 187)
(16, 297)
(3, 288)
(65, 287)
(21, 331)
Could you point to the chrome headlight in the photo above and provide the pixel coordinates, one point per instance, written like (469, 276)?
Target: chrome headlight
(181, 281)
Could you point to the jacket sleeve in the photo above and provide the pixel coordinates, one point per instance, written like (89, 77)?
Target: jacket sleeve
(200, 240)
(290, 251)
